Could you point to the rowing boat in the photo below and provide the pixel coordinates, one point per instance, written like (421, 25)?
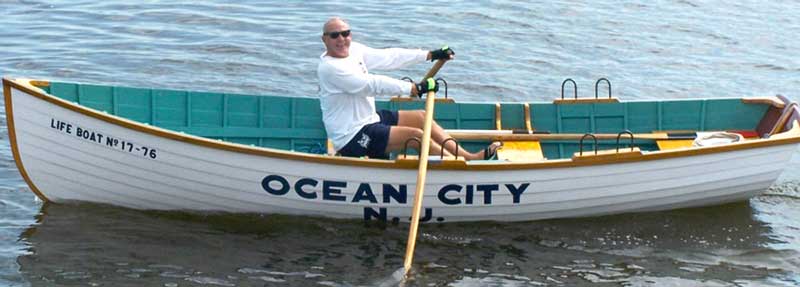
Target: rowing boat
(159, 149)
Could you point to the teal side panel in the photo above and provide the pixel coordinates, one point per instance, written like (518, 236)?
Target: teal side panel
(133, 103)
(384, 105)
(308, 117)
(575, 118)
(64, 91)
(96, 97)
(681, 115)
(551, 150)
(206, 109)
(414, 105)
(512, 116)
(241, 111)
(447, 115)
(733, 114)
(307, 114)
(642, 117)
(609, 118)
(170, 108)
(46, 89)
(276, 112)
(544, 117)
(476, 116)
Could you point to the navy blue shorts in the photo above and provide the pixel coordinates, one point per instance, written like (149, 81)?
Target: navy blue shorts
(373, 138)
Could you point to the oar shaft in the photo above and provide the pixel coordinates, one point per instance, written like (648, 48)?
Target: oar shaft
(421, 173)
(435, 69)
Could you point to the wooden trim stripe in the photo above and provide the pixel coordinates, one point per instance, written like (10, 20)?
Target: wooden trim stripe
(498, 116)
(585, 101)
(401, 99)
(791, 137)
(12, 138)
(772, 101)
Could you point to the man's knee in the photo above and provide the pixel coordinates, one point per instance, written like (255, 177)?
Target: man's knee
(420, 114)
(412, 133)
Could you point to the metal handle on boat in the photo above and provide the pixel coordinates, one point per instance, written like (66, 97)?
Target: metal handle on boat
(445, 142)
(574, 86)
(405, 146)
(620, 135)
(595, 143)
(596, 84)
(445, 85)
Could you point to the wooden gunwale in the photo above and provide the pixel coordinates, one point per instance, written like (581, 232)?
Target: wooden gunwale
(27, 87)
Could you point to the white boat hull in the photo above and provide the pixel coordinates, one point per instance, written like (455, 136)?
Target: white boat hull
(181, 172)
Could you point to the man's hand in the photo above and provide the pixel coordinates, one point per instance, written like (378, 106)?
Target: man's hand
(444, 53)
(426, 86)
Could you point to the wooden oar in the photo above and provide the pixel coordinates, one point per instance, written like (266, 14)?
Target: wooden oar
(421, 172)
(435, 69)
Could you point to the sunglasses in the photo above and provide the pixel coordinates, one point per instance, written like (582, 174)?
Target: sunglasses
(334, 35)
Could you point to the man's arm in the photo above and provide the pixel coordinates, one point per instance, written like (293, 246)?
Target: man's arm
(357, 83)
(393, 58)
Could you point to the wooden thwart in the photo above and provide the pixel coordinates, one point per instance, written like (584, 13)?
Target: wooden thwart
(507, 135)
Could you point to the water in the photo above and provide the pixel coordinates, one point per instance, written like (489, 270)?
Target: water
(506, 51)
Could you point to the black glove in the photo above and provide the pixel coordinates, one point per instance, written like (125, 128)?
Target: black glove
(427, 86)
(443, 53)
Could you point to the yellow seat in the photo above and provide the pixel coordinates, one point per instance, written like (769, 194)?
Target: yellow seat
(520, 151)
(673, 144)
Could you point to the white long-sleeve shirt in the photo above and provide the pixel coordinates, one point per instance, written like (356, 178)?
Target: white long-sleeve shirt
(347, 89)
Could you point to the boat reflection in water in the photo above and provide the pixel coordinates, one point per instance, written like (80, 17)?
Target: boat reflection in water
(80, 244)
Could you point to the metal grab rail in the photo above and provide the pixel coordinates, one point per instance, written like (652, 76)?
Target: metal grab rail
(439, 79)
(445, 85)
(581, 143)
(405, 145)
(574, 86)
(445, 142)
(620, 135)
(596, 84)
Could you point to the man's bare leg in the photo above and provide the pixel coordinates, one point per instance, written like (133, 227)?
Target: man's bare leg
(416, 119)
(398, 135)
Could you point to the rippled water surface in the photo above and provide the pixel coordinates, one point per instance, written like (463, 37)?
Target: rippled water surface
(506, 51)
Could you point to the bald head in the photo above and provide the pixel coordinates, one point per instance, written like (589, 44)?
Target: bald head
(333, 22)
(336, 36)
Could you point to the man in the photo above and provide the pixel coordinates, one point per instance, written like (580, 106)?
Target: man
(348, 90)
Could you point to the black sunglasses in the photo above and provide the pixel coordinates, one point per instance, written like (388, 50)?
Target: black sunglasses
(335, 35)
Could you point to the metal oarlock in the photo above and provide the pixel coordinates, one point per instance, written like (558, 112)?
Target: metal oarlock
(405, 145)
(620, 135)
(596, 84)
(595, 143)
(574, 88)
(445, 142)
(445, 85)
